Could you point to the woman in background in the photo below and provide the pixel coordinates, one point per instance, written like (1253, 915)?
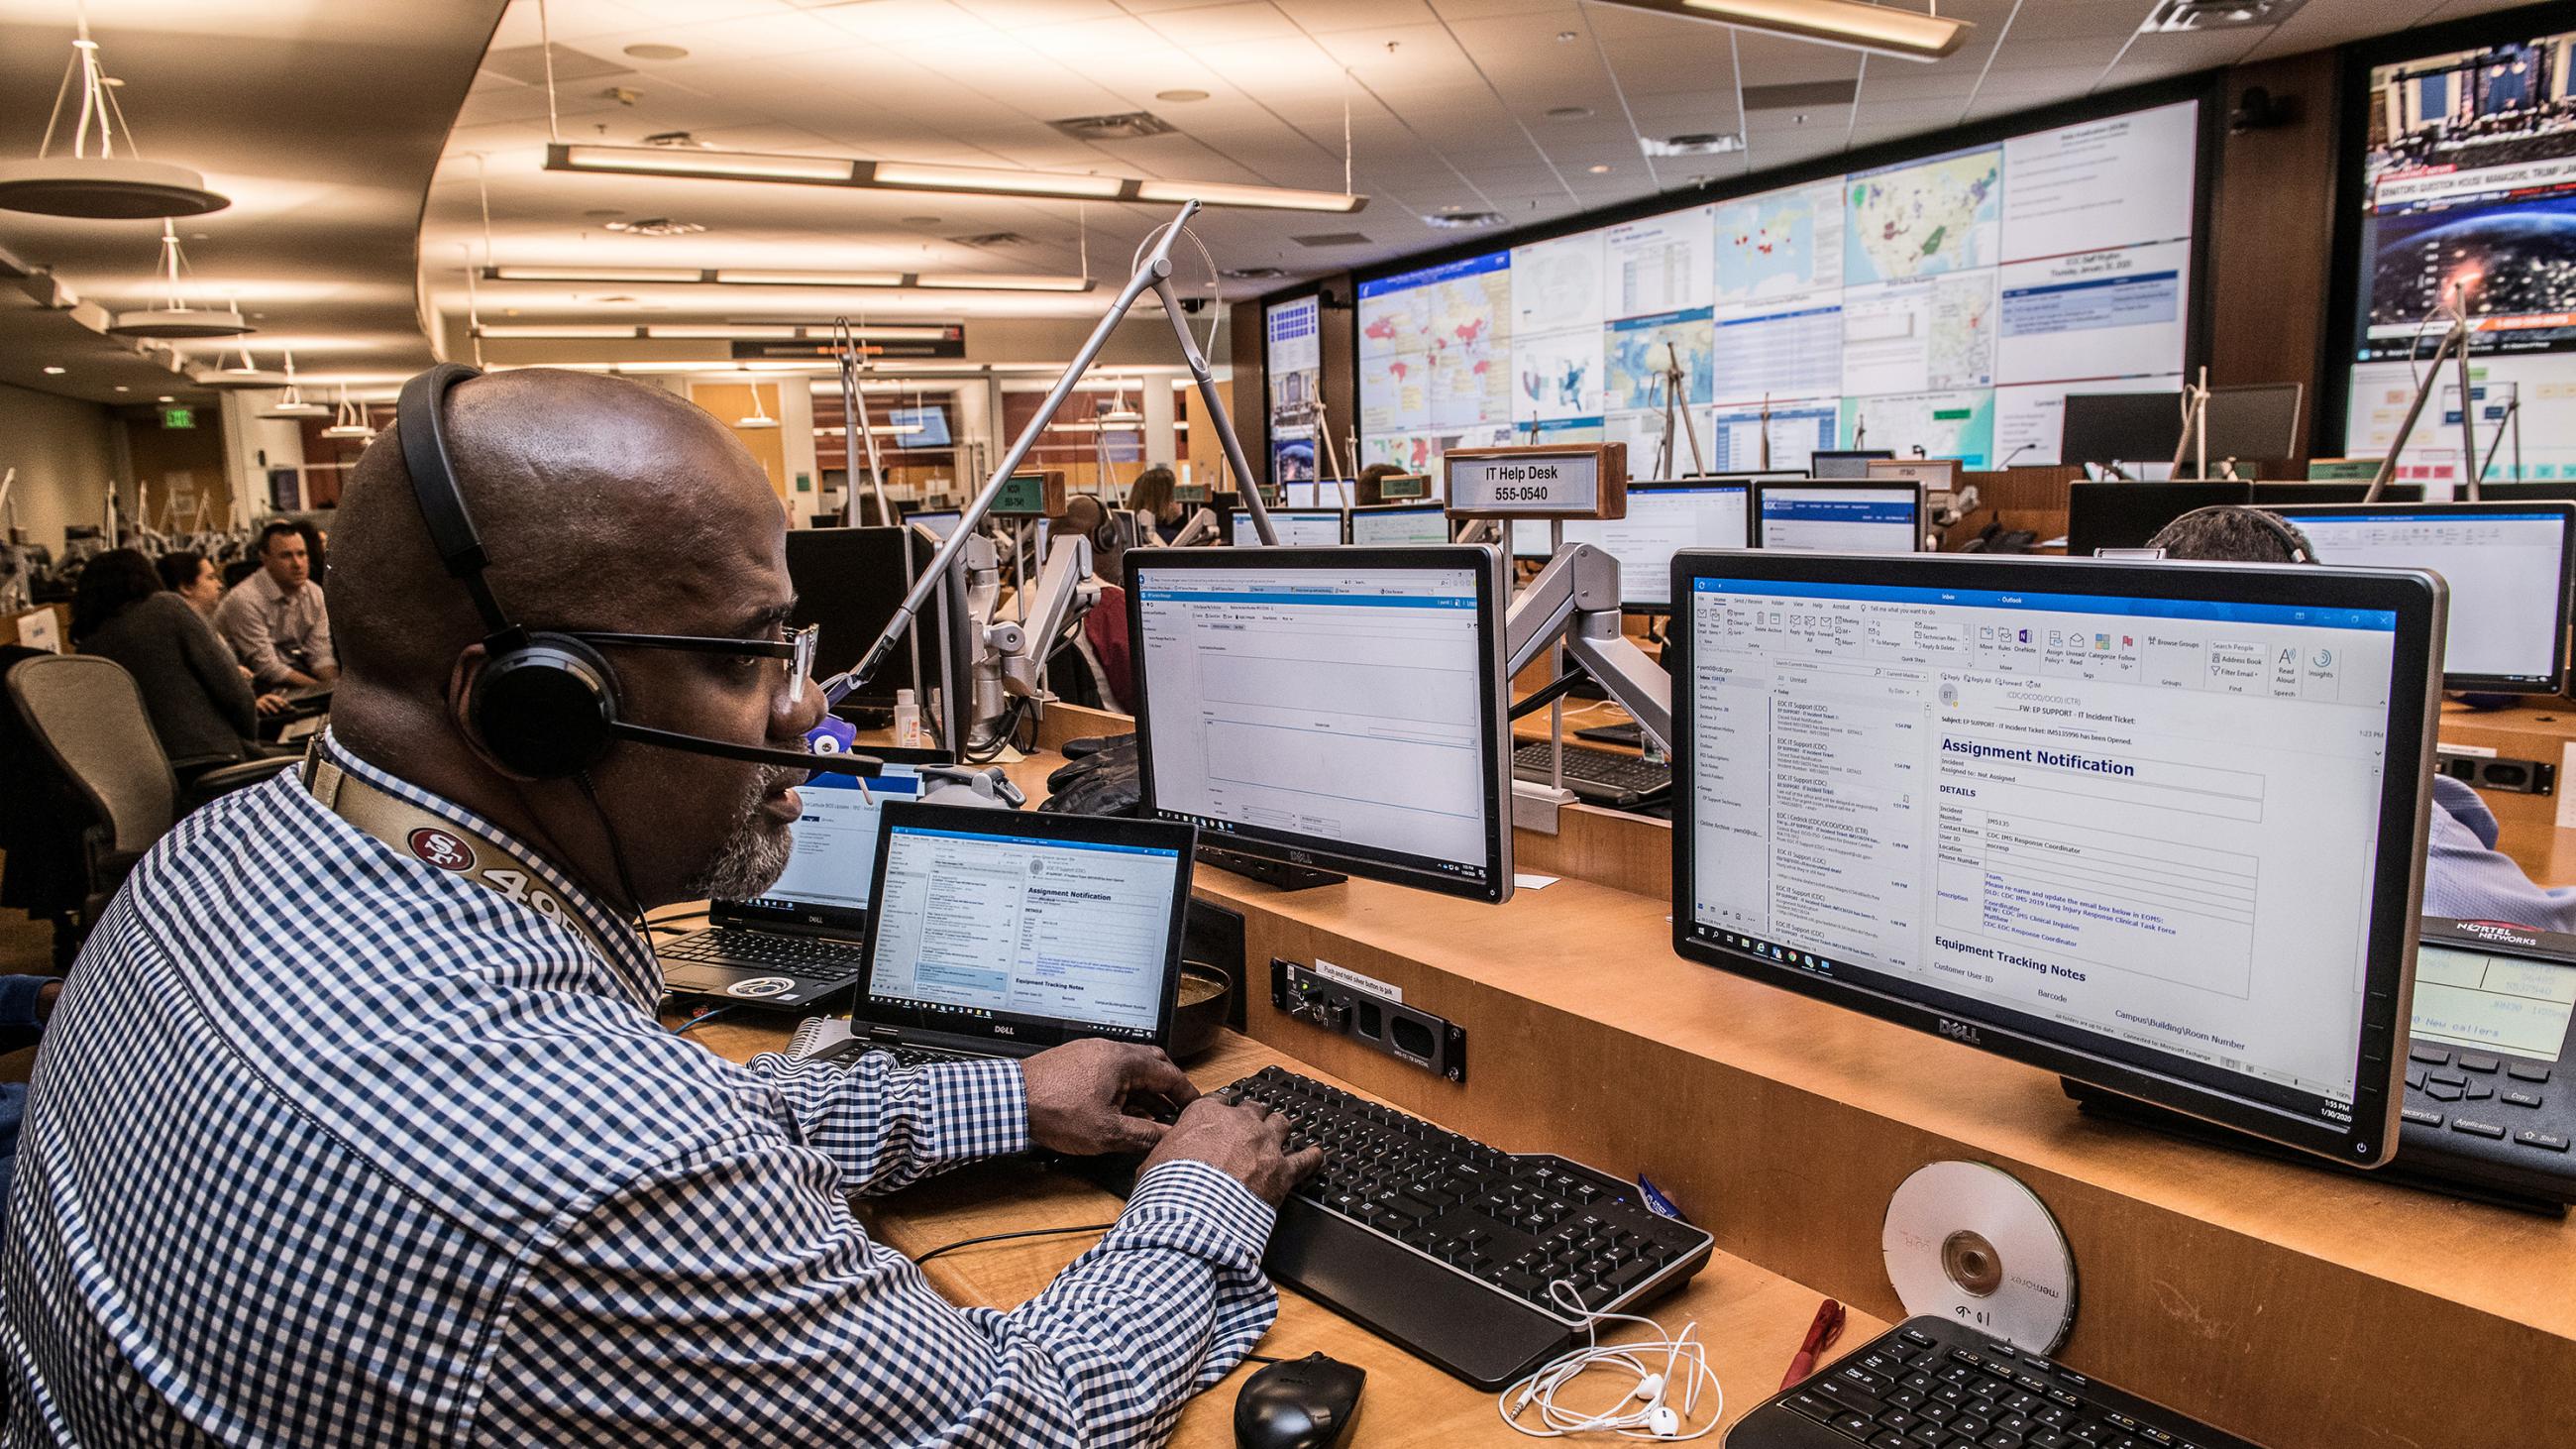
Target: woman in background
(201, 706)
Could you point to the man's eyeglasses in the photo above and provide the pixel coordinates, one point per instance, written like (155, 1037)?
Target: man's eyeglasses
(797, 650)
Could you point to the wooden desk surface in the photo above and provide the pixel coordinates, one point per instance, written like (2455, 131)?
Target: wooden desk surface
(1751, 1320)
(2287, 1304)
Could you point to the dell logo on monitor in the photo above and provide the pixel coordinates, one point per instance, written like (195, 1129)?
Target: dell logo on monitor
(1960, 1031)
(1000, 1030)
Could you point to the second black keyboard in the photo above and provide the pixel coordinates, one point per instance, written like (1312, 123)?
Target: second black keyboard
(1929, 1383)
(1450, 1247)
(1597, 777)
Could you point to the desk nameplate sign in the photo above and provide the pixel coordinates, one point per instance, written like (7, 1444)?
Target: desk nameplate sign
(1585, 481)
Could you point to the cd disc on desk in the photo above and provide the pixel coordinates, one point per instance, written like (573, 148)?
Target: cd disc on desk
(1970, 1243)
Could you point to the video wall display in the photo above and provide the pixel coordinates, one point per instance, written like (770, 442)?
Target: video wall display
(2468, 199)
(1293, 361)
(1948, 303)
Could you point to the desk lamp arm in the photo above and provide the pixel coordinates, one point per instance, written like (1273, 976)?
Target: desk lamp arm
(1576, 599)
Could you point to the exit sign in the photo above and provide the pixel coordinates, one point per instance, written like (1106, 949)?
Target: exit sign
(178, 417)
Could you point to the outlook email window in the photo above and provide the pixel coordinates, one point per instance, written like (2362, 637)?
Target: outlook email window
(2149, 819)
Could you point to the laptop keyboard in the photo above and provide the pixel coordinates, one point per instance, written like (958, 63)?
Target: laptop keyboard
(904, 1053)
(811, 958)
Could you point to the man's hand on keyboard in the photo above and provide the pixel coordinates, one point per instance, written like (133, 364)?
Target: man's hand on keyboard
(1091, 1096)
(1246, 1141)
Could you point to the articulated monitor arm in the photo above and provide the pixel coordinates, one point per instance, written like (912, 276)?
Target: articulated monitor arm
(1204, 527)
(1063, 593)
(1576, 598)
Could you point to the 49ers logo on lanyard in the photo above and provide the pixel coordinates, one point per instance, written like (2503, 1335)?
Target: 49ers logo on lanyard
(442, 849)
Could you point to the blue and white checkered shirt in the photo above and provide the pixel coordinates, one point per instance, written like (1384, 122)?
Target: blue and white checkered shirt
(330, 1147)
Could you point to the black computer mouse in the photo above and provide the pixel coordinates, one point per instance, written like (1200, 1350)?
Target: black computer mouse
(1300, 1403)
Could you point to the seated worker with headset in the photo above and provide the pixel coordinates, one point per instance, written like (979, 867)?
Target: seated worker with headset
(2465, 876)
(355, 1124)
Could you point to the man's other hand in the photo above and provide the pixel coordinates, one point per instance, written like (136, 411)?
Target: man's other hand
(1246, 1141)
(1092, 1096)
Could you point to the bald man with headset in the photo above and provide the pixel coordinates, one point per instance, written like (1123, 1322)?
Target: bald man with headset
(355, 1124)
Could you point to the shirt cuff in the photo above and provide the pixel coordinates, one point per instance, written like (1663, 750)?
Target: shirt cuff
(977, 1109)
(1201, 1194)
(18, 999)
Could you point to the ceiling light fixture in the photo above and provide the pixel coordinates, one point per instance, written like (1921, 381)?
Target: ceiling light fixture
(104, 187)
(704, 332)
(1464, 220)
(593, 274)
(759, 277)
(1001, 282)
(350, 422)
(923, 176)
(176, 318)
(1181, 97)
(1878, 29)
(291, 405)
(759, 417)
(243, 374)
(55, 371)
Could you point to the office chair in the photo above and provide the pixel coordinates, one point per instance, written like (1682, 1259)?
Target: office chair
(88, 715)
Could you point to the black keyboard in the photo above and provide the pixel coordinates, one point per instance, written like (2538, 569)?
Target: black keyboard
(1448, 1246)
(820, 959)
(1929, 1383)
(1597, 777)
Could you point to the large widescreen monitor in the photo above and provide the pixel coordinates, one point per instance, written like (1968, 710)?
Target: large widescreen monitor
(1820, 517)
(1946, 302)
(2159, 827)
(1340, 708)
(2506, 563)
(2462, 179)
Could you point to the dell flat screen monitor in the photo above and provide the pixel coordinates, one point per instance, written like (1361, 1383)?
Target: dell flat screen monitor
(1663, 519)
(2506, 563)
(1840, 517)
(1415, 523)
(2119, 427)
(2258, 423)
(2158, 827)
(941, 522)
(1338, 708)
(1296, 527)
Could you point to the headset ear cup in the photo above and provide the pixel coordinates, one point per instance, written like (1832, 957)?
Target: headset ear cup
(544, 710)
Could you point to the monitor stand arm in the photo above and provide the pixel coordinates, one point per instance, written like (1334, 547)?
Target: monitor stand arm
(1203, 527)
(1575, 599)
(1063, 593)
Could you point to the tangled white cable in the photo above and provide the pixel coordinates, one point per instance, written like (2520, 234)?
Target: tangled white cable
(1667, 1366)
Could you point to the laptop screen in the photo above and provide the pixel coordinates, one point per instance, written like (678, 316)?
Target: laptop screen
(1024, 927)
(833, 860)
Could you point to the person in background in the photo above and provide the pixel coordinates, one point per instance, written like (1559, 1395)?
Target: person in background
(1152, 493)
(274, 619)
(202, 709)
(195, 579)
(317, 551)
(2465, 876)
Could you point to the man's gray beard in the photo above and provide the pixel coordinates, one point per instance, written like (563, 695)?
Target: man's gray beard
(752, 856)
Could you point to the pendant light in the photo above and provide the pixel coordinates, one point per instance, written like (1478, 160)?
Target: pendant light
(291, 405)
(1119, 415)
(105, 186)
(242, 374)
(350, 422)
(759, 417)
(176, 318)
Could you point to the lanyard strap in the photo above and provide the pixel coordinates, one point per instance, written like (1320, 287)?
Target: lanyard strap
(441, 843)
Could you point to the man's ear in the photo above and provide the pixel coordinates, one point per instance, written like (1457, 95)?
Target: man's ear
(461, 677)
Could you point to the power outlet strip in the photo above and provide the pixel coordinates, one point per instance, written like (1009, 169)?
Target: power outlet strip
(1406, 1033)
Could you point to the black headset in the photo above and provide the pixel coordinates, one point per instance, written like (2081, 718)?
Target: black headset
(545, 704)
